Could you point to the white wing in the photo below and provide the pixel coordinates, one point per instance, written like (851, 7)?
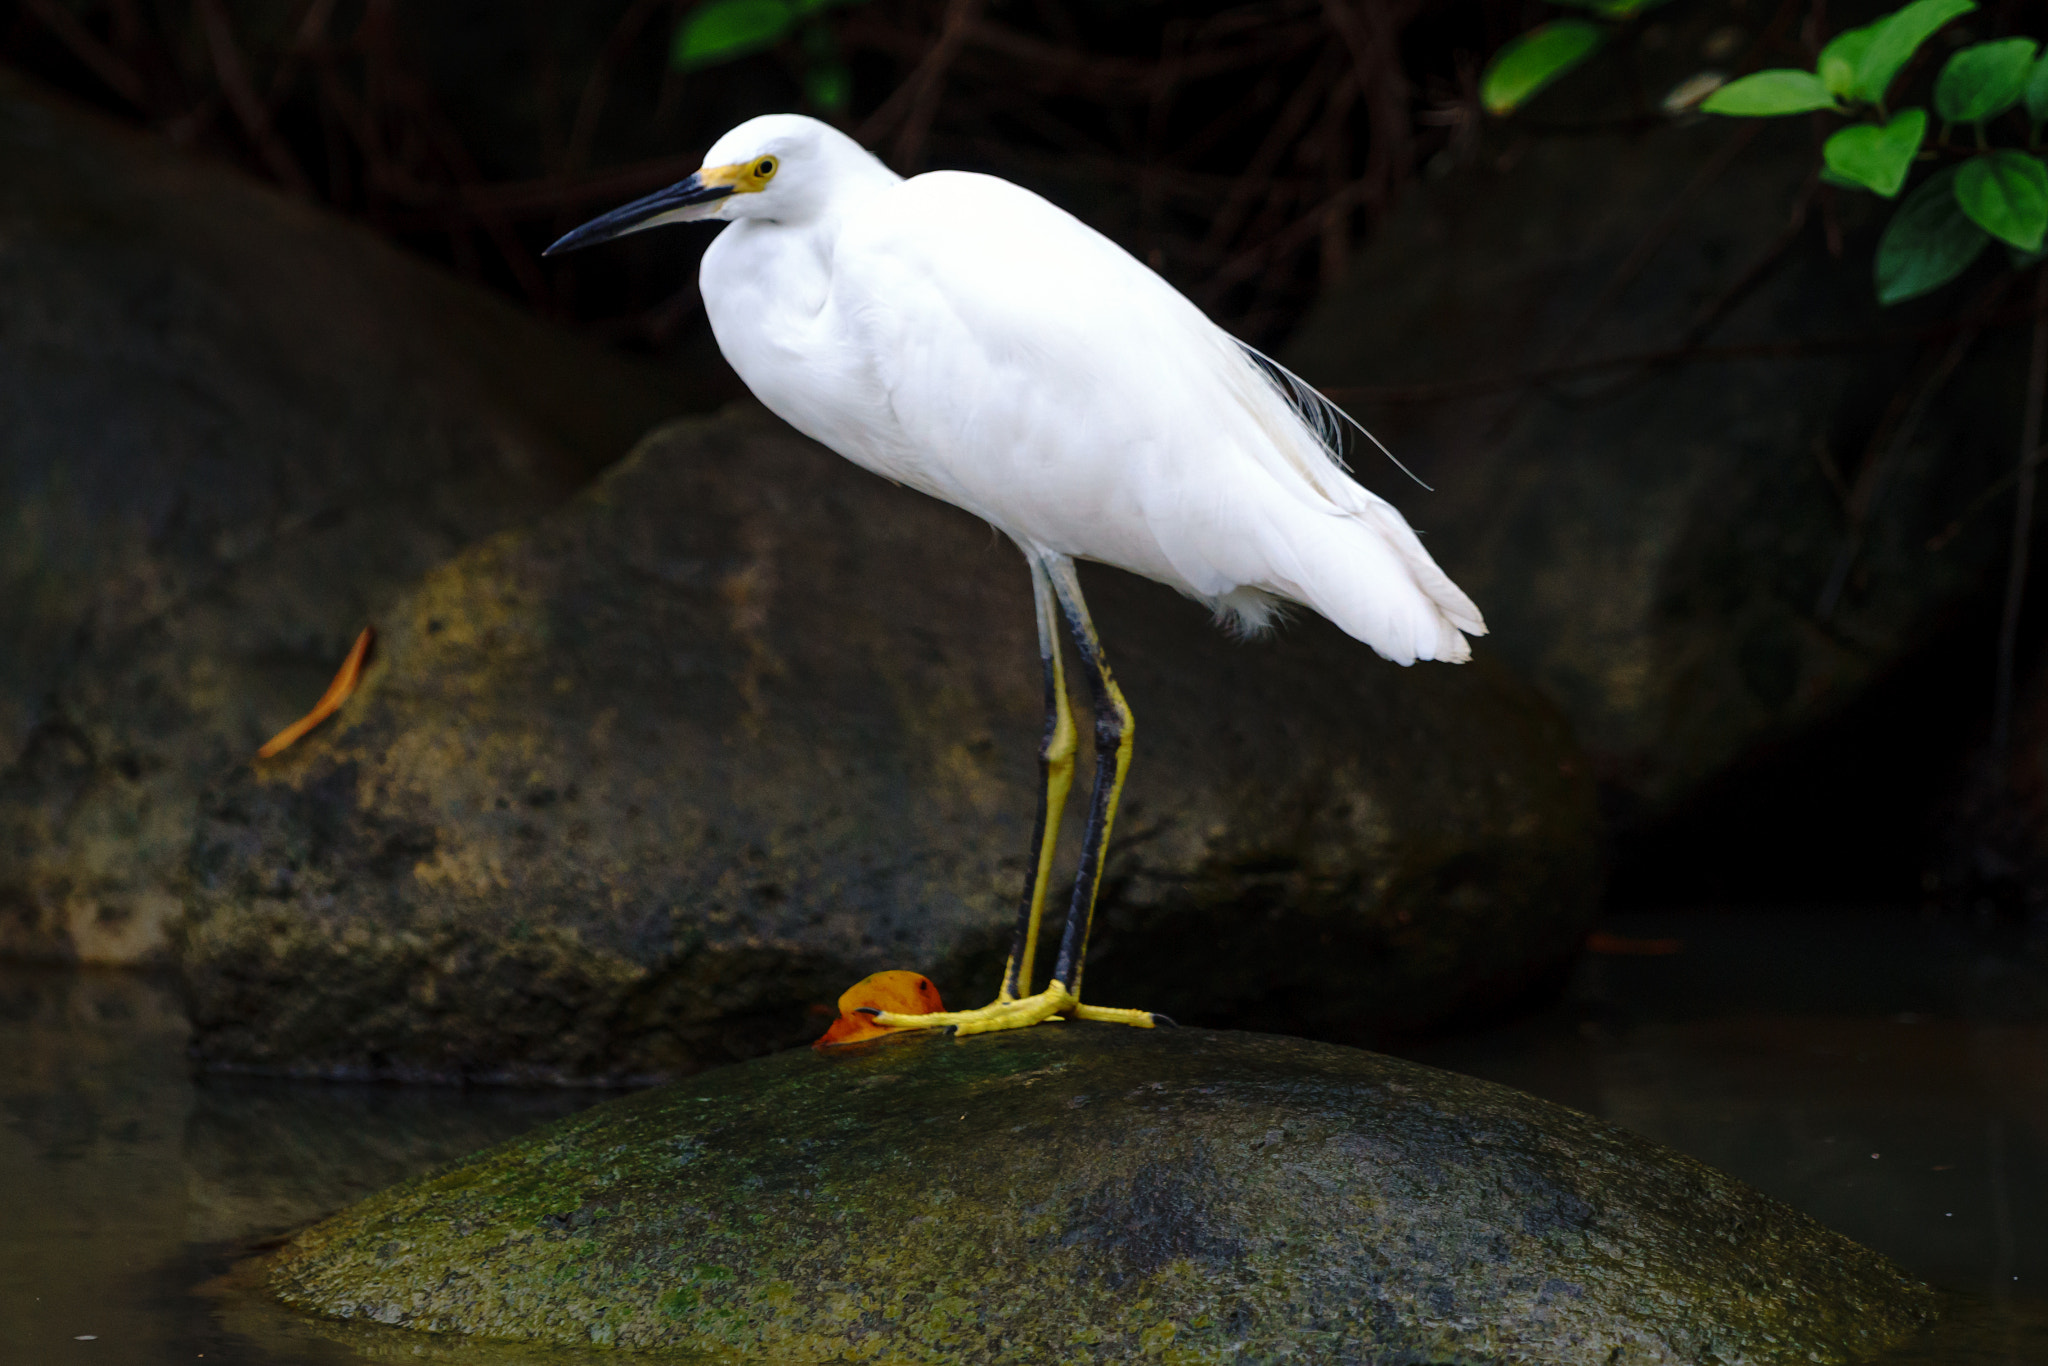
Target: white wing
(1040, 377)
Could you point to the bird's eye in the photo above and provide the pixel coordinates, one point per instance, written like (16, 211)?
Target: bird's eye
(765, 167)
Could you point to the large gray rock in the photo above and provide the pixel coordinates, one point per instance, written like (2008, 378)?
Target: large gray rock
(1650, 544)
(231, 428)
(633, 790)
(1089, 1193)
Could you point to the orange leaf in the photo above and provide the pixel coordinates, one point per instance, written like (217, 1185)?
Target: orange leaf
(338, 692)
(905, 993)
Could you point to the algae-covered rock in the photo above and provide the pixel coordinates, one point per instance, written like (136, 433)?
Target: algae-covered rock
(232, 427)
(1088, 1193)
(633, 789)
(1652, 542)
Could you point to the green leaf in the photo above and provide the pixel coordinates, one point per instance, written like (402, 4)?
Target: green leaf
(1896, 40)
(1528, 63)
(1984, 80)
(1782, 91)
(2006, 194)
(1929, 242)
(1877, 158)
(829, 86)
(1837, 65)
(2037, 92)
(722, 30)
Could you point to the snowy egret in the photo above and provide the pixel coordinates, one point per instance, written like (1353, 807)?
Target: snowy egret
(961, 335)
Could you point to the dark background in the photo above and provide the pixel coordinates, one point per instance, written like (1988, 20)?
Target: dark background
(1247, 151)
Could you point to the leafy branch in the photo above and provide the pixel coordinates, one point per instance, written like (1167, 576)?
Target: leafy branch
(1971, 195)
(1993, 193)
(1943, 225)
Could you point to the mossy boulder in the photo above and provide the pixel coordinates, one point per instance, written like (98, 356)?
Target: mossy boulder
(1654, 542)
(232, 428)
(636, 789)
(1089, 1193)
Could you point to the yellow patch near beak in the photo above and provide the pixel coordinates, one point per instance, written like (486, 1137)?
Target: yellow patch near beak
(745, 177)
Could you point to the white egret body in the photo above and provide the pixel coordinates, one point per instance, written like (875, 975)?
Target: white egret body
(961, 335)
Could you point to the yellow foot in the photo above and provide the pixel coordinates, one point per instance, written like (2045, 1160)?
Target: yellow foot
(1022, 1013)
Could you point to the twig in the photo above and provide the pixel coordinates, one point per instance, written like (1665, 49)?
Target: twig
(1069, 140)
(1752, 56)
(362, 116)
(1369, 31)
(1173, 45)
(1647, 247)
(532, 198)
(1329, 146)
(590, 105)
(437, 137)
(928, 82)
(241, 96)
(1297, 234)
(2022, 519)
(1334, 144)
(310, 40)
(546, 75)
(1262, 96)
(101, 59)
(1831, 220)
(1198, 191)
(1034, 65)
(183, 130)
(1991, 493)
(1280, 136)
(1754, 274)
(1758, 270)
(1448, 390)
(128, 25)
(1887, 446)
(1832, 472)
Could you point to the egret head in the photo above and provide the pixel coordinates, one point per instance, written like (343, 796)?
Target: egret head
(783, 167)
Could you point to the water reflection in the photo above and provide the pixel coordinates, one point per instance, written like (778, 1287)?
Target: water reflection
(127, 1184)
(1887, 1074)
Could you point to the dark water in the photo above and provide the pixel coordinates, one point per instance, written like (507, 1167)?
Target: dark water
(1886, 1073)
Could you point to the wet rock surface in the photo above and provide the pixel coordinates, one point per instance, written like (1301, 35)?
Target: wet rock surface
(1091, 1193)
(1652, 542)
(631, 791)
(232, 427)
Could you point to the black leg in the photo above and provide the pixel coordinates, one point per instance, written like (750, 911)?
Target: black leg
(1114, 732)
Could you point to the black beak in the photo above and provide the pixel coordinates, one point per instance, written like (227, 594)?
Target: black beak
(636, 215)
